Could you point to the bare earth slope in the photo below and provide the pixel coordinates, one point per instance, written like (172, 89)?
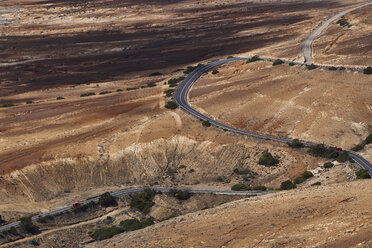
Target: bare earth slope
(325, 216)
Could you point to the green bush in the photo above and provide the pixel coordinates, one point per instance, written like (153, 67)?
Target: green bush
(88, 94)
(299, 180)
(29, 102)
(85, 207)
(133, 88)
(215, 71)
(286, 185)
(180, 194)
(278, 62)
(169, 92)
(343, 22)
(369, 139)
(240, 187)
(321, 150)
(171, 105)
(60, 98)
(7, 105)
(105, 92)
(307, 175)
(206, 123)
(332, 68)
(253, 59)
(368, 70)
(155, 74)
(362, 174)
(174, 81)
(291, 64)
(189, 69)
(311, 67)
(358, 148)
(262, 188)
(28, 226)
(143, 200)
(295, 144)
(34, 242)
(343, 157)
(106, 232)
(151, 85)
(241, 171)
(107, 200)
(328, 165)
(316, 184)
(119, 90)
(267, 159)
(44, 219)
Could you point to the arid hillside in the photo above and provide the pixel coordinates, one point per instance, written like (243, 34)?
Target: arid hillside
(334, 216)
(321, 106)
(347, 43)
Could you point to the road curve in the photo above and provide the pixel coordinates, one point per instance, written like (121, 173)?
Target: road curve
(183, 89)
(308, 44)
(140, 189)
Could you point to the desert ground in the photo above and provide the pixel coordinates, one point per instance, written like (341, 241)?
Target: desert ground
(312, 217)
(88, 117)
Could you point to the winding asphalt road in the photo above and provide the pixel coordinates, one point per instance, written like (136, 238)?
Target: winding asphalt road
(137, 190)
(308, 44)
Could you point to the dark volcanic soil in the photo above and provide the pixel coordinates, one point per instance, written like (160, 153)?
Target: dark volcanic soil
(117, 48)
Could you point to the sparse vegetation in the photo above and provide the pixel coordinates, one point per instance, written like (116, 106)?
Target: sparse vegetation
(169, 92)
(174, 81)
(215, 71)
(60, 98)
(180, 194)
(362, 174)
(316, 184)
(307, 175)
(143, 200)
(44, 219)
(267, 159)
(7, 105)
(291, 64)
(343, 23)
(369, 139)
(299, 180)
(358, 148)
(253, 59)
(328, 165)
(119, 90)
(320, 150)
(105, 92)
(155, 74)
(295, 144)
(240, 187)
(107, 200)
(368, 70)
(171, 105)
(343, 157)
(85, 207)
(286, 185)
(206, 123)
(29, 102)
(106, 232)
(28, 226)
(150, 85)
(88, 94)
(332, 68)
(311, 67)
(278, 62)
(241, 171)
(133, 88)
(262, 188)
(189, 69)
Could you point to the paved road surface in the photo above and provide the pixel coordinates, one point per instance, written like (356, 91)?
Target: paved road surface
(308, 44)
(140, 189)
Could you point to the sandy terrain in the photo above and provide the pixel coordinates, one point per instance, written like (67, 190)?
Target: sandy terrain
(325, 216)
(347, 45)
(320, 106)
